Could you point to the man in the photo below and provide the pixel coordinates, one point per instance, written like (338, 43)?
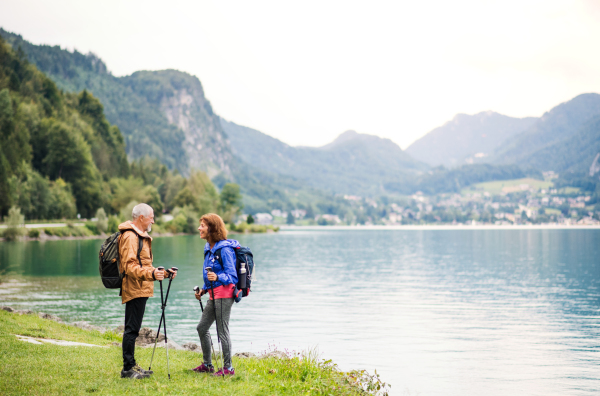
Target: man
(138, 278)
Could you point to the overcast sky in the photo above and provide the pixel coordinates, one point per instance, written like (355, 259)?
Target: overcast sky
(306, 71)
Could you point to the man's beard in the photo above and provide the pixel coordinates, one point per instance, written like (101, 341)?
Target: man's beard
(149, 228)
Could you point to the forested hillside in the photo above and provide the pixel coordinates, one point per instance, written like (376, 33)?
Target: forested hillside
(467, 138)
(353, 164)
(575, 153)
(146, 129)
(60, 157)
(544, 143)
(57, 150)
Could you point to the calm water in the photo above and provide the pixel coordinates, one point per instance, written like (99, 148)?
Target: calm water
(462, 312)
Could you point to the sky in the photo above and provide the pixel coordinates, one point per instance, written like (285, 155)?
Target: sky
(306, 71)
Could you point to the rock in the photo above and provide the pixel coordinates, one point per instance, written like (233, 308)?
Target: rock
(120, 329)
(115, 343)
(245, 355)
(192, 346)
(275, 354)
(50, 317)
(147, 336)
(7, 309)
(25, 312)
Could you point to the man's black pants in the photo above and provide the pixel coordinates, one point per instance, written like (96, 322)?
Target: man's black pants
(134, 314)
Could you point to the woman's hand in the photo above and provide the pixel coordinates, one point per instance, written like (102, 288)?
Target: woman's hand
(212, 276)
(200, 293)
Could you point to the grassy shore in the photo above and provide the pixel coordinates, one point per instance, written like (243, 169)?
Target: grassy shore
(30, 369)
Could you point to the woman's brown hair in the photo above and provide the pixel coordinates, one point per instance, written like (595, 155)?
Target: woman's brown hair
(216, 227)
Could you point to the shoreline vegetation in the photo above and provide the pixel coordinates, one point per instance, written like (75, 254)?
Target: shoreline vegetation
(45, 342)
(78, 232)
(77, 229)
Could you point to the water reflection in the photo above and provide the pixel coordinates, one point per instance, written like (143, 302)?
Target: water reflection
(437, 312)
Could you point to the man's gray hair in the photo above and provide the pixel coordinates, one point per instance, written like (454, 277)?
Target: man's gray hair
(141, 210)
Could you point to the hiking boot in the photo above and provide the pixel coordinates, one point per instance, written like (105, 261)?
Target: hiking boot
(225, 371)
(203, 368)
(139, 369)
(134, 373)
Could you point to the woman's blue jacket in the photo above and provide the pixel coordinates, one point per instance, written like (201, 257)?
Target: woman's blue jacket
(227, 273)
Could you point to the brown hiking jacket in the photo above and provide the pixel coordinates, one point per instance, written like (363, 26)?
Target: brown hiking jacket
(137, 281)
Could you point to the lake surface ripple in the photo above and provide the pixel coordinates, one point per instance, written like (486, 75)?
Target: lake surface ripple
(435, 312)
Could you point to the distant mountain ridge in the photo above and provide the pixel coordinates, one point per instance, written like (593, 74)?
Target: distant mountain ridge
(353, 163)
(558, 139)
(467, 138)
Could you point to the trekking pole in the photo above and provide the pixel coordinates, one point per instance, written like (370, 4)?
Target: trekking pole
(212, 291)
(163, 320)
(162, 304)
(197, 289)
(171, 273)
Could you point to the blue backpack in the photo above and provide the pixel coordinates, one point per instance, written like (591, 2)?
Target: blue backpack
(243, 255)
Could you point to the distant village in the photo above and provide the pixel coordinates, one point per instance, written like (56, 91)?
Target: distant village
(516, 203)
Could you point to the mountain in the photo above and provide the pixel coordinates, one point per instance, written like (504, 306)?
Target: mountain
(57, 151)
(558, 139)
(575, 153)
(179, 97)
(353, 163)
(466, 138)
(161, 114)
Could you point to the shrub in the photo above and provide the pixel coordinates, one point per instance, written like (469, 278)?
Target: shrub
(15, 223)
(93, 227)
(102, 222)
(33, 233)
(113, 224)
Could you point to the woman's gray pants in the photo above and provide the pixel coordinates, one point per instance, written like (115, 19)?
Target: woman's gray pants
(223, 308)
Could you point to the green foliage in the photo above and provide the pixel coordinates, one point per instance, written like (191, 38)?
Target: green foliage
(113, 224)
(290, 218)
(440, 179)
(33, 233)
(244, 227)
(41, 198)
(58, 135)
(230, 201)
(102, 220)
(250, 219)
(15, 224)
(185, 220)
(68, 231)
(125, 191)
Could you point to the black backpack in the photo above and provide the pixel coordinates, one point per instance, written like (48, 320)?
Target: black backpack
(110, 270)
(243, 254)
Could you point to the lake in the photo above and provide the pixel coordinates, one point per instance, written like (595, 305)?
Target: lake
(435, 312)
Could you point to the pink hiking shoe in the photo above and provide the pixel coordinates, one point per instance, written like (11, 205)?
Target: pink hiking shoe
(203, 368)
(225, 371)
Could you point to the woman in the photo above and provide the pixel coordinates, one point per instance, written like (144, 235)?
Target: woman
(219, 283)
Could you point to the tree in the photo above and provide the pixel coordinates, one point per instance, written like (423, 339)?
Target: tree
(15, 223)
(290, 218)
(230, 201)
(250, 219)
(102, 220)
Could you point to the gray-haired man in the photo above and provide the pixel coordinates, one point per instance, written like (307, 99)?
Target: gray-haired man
(139, 275)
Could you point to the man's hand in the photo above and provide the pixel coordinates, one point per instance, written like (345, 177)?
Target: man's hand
(172, 273)
(159, 275)
(212, 276)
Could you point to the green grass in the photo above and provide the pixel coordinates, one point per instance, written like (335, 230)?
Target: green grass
(30, 369)
(497, 187)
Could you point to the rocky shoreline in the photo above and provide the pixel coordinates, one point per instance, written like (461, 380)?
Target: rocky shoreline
(145, 339)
